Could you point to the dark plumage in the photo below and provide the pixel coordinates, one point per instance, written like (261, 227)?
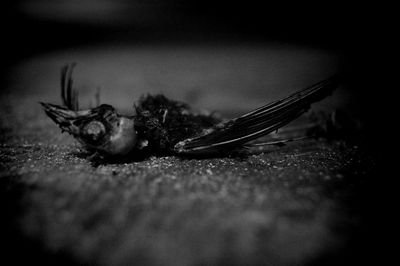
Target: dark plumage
(164, 122)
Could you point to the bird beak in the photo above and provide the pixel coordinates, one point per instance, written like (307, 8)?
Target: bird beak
(63, 117)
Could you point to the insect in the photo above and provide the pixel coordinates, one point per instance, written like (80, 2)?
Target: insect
(163, 126)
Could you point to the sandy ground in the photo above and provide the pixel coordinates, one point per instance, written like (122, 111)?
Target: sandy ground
(300, 204)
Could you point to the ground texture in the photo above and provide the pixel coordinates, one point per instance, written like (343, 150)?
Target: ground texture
(300, 204)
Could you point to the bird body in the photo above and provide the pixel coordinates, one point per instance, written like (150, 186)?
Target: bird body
(164, 126)
(162, 123)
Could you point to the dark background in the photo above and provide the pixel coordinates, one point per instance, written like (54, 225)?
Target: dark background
(36, 26)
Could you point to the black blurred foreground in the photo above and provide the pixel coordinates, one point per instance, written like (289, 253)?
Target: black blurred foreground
(311, 202)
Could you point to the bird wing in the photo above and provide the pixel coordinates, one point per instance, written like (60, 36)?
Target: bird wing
(259, 122)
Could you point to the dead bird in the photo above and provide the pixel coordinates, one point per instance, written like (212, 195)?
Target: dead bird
(163, 126)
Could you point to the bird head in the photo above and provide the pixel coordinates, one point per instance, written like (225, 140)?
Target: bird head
(100, 128)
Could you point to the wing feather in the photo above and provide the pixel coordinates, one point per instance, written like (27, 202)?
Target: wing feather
(257, 123)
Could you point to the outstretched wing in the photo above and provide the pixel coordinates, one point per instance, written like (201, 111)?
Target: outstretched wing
(259, 122)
